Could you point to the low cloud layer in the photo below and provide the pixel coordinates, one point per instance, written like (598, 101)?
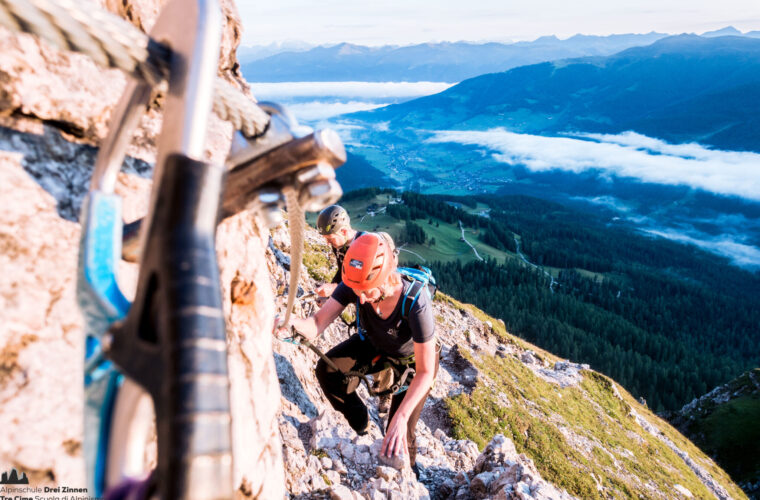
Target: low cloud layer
(345, 129)
(731, 243)
(348, 90)
(741, 254)
(627, 155)
(319, 110)
(606, 201)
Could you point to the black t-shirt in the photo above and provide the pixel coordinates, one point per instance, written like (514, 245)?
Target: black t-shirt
(393, 336)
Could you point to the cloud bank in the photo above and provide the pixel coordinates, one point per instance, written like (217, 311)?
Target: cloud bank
(345, 129)
(628, 155)
(319, 110)
(742, 255)
(606, 201)
(349, 90)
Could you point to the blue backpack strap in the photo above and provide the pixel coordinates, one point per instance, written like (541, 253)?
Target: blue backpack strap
(415, 294)
(358, 324)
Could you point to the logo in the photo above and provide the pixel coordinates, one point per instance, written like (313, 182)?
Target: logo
(12, 478)
(356, 263)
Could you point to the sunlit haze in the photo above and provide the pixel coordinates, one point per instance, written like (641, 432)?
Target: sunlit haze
(399, 22)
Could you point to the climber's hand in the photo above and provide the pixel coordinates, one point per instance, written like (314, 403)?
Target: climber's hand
(395, 442)
(279, 330)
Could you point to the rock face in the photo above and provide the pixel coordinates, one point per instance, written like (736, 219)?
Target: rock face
(324, 458)
(76, 95)
(253, 377)
(40, 387)
(559, 415)
(55, 108)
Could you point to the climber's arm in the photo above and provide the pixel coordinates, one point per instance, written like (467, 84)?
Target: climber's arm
(314, 325)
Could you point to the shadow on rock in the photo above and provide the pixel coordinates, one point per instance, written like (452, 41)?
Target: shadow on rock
(435, 415)
(60, 167)
(439, 481)
(292, 388)
(460, 368)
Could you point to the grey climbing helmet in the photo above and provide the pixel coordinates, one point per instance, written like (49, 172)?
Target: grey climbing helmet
(331, 219)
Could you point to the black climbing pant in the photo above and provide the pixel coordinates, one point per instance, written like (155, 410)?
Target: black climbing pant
(360, 355)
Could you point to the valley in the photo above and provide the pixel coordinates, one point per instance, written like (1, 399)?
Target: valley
(665, 320)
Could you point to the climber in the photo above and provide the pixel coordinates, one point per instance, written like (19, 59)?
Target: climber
(371, 280)
(335, 225)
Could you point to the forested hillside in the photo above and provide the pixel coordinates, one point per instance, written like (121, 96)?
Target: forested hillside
(666, 320)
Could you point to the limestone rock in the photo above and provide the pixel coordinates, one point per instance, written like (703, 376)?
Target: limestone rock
(387, 473)
(340, 492)
(480, 484)
(397, 462)
(500, 472)
(55, 86)
(40, 335)
(44, 92)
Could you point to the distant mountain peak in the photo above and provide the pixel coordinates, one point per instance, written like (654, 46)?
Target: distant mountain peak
(727, 31)
(547, 38)
(347, 49)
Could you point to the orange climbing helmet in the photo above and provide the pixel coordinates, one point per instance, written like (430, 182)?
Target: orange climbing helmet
(369, 261)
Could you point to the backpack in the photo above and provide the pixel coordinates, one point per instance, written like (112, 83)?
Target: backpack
(421, 278)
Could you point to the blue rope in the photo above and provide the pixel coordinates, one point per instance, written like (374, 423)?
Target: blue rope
(289, 340)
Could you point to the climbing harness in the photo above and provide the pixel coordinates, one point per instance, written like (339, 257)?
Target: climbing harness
(401, 378)
(403, 368)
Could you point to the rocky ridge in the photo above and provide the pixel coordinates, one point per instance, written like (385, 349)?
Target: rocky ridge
(325, 459)
(725, 423)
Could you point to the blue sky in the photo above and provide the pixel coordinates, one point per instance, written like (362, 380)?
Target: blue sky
(401, 22)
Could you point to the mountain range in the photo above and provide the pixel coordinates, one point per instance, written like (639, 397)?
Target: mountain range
(603, 131)
(249, 53)
(438, 62)
(683, 88)
(444, 62)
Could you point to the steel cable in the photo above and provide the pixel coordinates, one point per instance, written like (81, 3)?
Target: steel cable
(113, 42)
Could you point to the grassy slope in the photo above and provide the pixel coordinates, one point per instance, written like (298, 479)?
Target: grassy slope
(539, 417)
(448, 247)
